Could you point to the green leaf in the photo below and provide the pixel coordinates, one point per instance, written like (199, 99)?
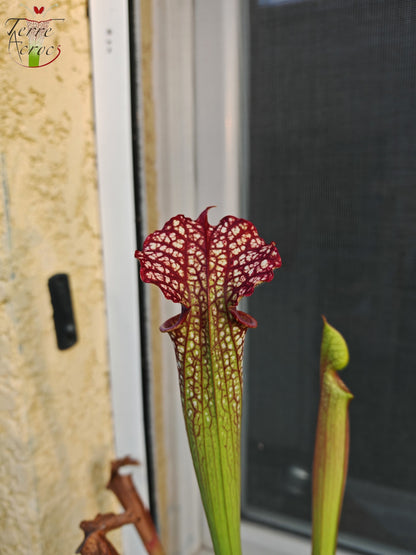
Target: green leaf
(331, 444)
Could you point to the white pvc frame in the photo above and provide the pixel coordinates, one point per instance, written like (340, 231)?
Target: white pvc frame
(111, 79)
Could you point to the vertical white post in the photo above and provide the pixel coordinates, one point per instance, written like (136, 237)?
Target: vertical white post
(218, 104)
(111, 76)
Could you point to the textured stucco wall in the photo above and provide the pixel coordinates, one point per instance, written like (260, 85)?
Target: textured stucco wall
(55, 416)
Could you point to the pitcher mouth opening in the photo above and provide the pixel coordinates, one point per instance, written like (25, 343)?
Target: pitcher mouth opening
(175, 321)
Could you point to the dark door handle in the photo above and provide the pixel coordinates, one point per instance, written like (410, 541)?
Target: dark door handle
(63, 316)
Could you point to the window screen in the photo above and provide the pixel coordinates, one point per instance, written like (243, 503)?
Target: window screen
(332, 133)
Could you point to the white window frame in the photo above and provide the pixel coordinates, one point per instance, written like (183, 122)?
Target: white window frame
(198, 77)
(112, 102)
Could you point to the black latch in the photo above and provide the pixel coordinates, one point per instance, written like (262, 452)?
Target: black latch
(63, 315)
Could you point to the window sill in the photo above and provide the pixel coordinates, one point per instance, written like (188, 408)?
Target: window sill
(260, 540)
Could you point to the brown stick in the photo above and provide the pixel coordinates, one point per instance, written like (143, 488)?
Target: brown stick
(95, 541)
(122, 486)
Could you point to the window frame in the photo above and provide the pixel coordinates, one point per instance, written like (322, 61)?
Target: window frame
(112, 104)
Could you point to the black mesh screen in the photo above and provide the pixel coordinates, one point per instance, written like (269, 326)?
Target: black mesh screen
(332, 129)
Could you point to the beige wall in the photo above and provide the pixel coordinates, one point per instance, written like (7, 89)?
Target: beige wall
(55, 415)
